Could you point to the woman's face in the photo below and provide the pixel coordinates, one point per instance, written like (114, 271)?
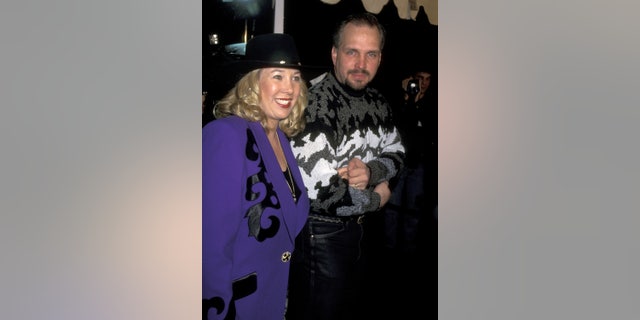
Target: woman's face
(279, 91)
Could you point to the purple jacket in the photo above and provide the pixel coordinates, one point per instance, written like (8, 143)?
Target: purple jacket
(249, 221)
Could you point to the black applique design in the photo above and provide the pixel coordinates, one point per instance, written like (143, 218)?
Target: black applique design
(241, 288)
(260, 181)
(215, 302)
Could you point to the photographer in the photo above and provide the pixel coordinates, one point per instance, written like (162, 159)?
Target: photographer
(416, 86)
(411, 210)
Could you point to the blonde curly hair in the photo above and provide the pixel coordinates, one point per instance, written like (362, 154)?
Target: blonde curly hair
(243, 100)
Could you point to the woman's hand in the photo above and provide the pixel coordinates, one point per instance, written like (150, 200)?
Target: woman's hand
(385, 193)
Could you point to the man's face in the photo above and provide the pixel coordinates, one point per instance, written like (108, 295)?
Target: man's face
(424, 78)
(357, 59)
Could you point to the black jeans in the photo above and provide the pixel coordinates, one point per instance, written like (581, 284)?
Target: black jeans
(325, 281)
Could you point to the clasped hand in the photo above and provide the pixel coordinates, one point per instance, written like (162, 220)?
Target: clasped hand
(356, 172)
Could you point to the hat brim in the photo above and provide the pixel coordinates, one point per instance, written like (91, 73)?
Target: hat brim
(225, 76)
(242, 67)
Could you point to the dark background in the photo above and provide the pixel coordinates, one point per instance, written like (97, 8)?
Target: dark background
(311, 23)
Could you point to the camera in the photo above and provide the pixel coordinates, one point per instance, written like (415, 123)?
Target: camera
(413, 87)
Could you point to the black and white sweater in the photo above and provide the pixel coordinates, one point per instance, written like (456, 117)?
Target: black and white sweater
(343, 124)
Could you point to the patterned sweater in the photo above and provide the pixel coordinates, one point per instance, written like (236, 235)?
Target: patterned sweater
(343, 124)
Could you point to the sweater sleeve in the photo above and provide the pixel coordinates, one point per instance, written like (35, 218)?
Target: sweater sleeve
(390, 161)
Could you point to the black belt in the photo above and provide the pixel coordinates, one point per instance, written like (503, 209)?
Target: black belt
(359, 219)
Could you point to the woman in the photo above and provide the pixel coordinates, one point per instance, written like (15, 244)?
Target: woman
(253, 199)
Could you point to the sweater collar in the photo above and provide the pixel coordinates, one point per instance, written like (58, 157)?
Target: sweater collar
(348, 90)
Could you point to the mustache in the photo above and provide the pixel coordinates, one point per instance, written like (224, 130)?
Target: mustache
(358, 71)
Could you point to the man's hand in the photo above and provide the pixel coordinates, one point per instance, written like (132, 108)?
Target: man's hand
(356, 172)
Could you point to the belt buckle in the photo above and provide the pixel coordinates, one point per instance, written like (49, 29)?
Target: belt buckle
(360, 219)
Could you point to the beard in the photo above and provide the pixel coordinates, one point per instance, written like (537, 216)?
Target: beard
(358, 83)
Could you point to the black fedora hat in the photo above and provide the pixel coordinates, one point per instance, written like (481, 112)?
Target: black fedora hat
(272, 50)
(262, 51)
(267, 51)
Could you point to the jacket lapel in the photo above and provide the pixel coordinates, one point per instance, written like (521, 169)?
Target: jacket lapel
(287, 206)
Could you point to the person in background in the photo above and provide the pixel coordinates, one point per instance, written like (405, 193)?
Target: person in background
(347, 153)
(408, 258)
(414, 195)
(254, 202)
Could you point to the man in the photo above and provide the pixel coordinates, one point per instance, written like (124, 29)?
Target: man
(415, 193)
(347, 153)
